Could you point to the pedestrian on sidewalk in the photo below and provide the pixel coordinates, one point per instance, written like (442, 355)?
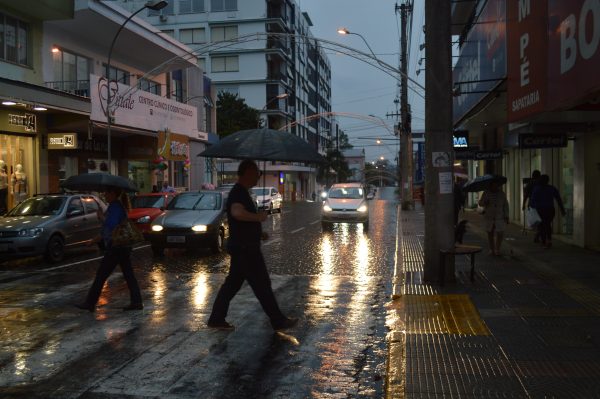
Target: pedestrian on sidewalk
(495, 213)
(542, 199)
(527, 191)
(118, 205)
(247, 262)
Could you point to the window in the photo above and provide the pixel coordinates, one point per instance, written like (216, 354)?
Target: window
(191, 6)
(168, 10)
(223, 5)
(225, 64)
(13, 40)
(75, 206)
(149, 86)
(192, 36)
(169, 32)
(222, 33)
(71, 73)
(117, 74)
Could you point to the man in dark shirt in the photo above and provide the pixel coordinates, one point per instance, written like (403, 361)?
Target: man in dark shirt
(527, 191)
(247, 262)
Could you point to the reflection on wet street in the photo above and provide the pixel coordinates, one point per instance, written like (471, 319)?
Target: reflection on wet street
(336, 282)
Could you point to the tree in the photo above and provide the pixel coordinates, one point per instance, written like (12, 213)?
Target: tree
(233, 114)
(334, 161)
(344, 141)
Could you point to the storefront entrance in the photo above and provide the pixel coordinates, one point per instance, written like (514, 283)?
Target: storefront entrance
(17, 174)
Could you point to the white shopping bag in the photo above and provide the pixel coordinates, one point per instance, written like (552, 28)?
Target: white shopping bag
(532, 217)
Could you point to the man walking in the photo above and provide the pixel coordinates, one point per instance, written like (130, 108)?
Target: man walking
(527, 191)
(247, 262)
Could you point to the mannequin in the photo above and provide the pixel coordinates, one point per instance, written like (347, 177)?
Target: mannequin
(19, 184)
(3, 187)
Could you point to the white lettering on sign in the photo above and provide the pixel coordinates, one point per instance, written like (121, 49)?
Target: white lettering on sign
(524, 9)
(526, 101)
(178, 149)
(524, 61)
(569, 42)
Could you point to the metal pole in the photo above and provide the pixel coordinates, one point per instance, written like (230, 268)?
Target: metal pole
(439, 230)
(405, 130)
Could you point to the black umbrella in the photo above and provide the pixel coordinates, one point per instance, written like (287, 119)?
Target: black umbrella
(264, 145)
(482, 183)
(97, 182)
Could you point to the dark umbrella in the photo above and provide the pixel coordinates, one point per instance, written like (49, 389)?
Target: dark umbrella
(97, 182)
(264, 145)
(482, 183)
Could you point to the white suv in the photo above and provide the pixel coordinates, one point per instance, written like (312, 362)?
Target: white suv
(345, 202)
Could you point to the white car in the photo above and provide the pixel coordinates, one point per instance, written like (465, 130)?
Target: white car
(268, 198)
(345, 203)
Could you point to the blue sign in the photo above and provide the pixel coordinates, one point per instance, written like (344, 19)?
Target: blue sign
(419, 177)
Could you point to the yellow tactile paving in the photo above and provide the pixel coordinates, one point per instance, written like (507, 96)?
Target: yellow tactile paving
(443, 314)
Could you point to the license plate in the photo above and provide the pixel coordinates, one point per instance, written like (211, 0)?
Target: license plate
(176, 239)
(3, 247)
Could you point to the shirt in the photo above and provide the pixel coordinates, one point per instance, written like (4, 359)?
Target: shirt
(497, 204)
(543, 197)
(115, 214)
(242, 234)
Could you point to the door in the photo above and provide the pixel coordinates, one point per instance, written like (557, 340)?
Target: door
(93, 224)
(76, 227)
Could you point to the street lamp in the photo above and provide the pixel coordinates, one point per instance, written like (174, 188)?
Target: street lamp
(277, 97)
(154, 5)
(344, 31)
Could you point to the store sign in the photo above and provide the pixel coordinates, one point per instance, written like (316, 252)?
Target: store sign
(542, 140)
(27, 121)
(174, 147)
(526, 57)
(136, 108)
(478, 155)
(573, 52)
(460, 139)
(62, 141)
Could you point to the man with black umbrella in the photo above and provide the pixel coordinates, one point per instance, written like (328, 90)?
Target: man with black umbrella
(247, 262)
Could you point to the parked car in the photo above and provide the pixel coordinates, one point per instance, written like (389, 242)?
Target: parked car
(147, 207)
(345, 202)
(49, 224)
(267, 198)
(191, 220)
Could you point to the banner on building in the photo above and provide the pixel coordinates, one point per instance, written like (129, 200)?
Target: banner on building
(139, 109)
(173, 147)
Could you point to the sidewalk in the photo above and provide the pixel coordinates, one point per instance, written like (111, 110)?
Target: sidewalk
(527, 327)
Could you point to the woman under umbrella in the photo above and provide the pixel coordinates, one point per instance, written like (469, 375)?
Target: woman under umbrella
(121, 255)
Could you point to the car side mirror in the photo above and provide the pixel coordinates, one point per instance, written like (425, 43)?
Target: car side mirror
(74, 212)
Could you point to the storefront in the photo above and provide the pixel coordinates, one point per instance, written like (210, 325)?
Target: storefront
(18, 175)
(174, 149)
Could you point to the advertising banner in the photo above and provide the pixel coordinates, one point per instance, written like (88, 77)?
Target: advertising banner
(140, 109)
(481, 65)
(573, 52)
(174, 147)
(526, 58)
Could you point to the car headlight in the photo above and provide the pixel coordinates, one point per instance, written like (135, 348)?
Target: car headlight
(327, 208)
(31, 232)
(200, 227)
(157, 227)
(362, 208)
(143, 219)
(324, 195)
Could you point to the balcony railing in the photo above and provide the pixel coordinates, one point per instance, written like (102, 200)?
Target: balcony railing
(77, 87)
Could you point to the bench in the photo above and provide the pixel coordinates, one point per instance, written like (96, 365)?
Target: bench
(459, 249)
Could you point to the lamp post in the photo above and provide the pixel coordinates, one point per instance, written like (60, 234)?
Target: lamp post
(277, 97)
(152, 5)
(344, 31)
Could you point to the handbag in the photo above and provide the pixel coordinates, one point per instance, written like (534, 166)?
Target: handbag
(126, 234)
(532, 217)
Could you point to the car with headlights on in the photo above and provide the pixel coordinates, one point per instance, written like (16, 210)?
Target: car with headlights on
(267, 198)
(345, 203)
(192, 220)
(146, 207)
(49, 224)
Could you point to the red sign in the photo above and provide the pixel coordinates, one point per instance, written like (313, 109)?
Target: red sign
(573, 52)
(526, 58)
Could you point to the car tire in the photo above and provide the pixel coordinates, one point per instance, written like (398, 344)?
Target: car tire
(55, 249)
(157, 250)
(218, 242)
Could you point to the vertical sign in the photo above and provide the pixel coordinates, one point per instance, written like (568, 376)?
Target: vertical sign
(526, 57)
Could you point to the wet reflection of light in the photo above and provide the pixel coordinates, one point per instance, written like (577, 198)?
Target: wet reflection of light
(21, 363)
(200, 290)
(160, 285)
(344, 233)
(361, 258)
(325, 284)
(51, 346)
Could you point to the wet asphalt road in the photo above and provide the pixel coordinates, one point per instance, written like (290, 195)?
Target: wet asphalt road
(336, 282)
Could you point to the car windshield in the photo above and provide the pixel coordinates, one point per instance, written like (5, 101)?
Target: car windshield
(261, 191)
(346, 192)
(148, 201)
(39, 206)
(195, 201)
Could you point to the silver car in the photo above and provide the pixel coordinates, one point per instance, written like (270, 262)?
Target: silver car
(49, 224)
(192, 220)
(345, 203)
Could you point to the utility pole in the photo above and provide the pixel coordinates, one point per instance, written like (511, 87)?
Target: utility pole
(439, 158)
(405, 115)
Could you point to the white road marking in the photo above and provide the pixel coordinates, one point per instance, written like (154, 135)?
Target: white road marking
(269, 242)
(297, 230)
(84, 261)
(315, 222)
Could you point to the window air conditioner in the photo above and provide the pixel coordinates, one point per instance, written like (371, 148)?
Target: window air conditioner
(163, 18)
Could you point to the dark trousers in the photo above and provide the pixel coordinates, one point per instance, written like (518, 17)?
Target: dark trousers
(246, 264)
(547, 216)
(112, 257)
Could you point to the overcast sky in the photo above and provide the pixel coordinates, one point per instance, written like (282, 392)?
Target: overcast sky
(357, 87)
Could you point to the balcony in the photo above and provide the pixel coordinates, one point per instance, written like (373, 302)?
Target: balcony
(79, 88)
